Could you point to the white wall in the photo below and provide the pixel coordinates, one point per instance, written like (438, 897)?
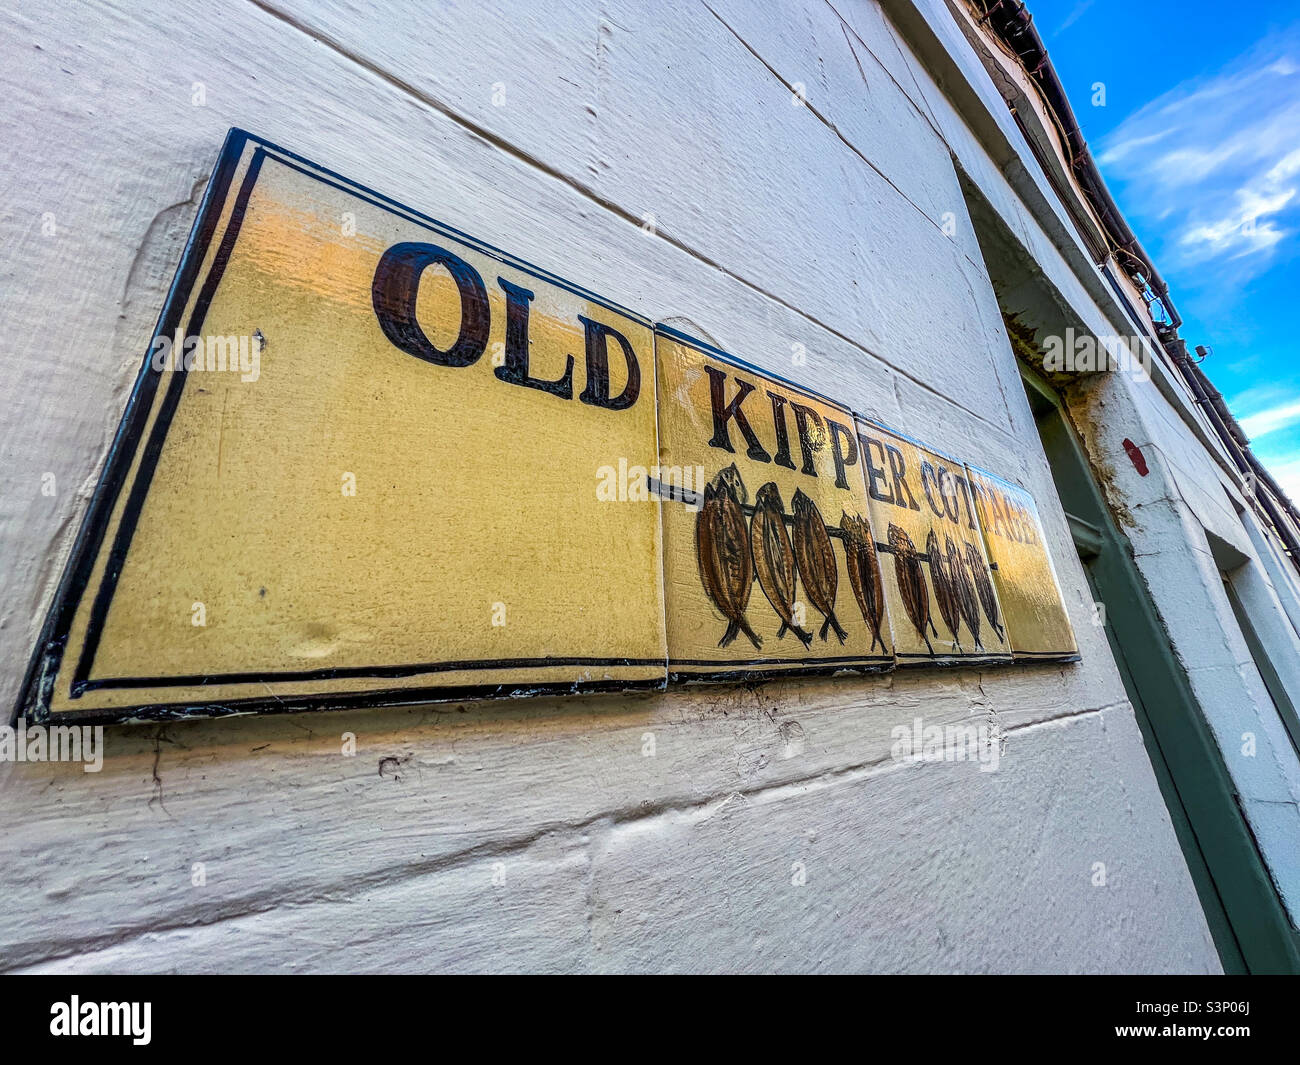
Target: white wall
(776, 225)
(1167, 515)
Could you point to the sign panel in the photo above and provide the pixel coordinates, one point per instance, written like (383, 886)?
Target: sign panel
(1027, 590)
(769, 557)
(364, 462)
(370, 460)
(941, 600)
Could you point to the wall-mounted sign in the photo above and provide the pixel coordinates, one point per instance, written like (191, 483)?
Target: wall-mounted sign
(769, 564)
(1026, 587)
(371, 460)
(365, 458)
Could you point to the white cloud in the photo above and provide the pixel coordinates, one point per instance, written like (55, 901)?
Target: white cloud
(1217, 159)
(1074, 15)
(1239, 232)
(1287, 475)
(1121, 150)
(1271, 419)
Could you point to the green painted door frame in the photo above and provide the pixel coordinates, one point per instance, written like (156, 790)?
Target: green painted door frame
(1247, 919)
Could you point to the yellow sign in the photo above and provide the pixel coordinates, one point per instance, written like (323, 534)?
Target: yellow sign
(942, 602)
(371, 460)
(1027, 589)
(769, 559)
(368, 460)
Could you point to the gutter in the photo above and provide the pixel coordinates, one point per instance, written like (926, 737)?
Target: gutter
(1217, 429)
(1012, 23)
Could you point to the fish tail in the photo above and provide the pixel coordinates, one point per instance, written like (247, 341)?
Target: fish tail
(839, 629)
(780, 633)
(805, 637)
(932, 628)
(730, 634)
(753, 636)
(927, 643)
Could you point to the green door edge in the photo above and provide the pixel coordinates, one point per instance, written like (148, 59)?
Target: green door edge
(1247, 919)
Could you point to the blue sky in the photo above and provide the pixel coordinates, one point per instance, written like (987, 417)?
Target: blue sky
(1199, 141)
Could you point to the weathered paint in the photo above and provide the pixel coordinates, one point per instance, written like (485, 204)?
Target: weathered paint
(1027, 589)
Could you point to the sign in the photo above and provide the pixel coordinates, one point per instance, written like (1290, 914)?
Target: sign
(371, 460)
(361, 464)
(769, 558)
(1027, 590)
(941, 600)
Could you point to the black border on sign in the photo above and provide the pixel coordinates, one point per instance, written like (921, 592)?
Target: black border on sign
(47, 657)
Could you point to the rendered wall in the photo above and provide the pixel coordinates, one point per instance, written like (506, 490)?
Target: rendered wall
(661, 155)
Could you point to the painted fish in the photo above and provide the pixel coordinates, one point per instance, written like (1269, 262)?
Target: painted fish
(964, 584)
(723, 552)
(984, 587)
(946, 591)
(864, 573)
(816, 558)
(774, 558)
(911, 582)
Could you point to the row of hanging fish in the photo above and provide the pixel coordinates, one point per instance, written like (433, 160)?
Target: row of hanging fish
(733, 552)
(962, 586)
